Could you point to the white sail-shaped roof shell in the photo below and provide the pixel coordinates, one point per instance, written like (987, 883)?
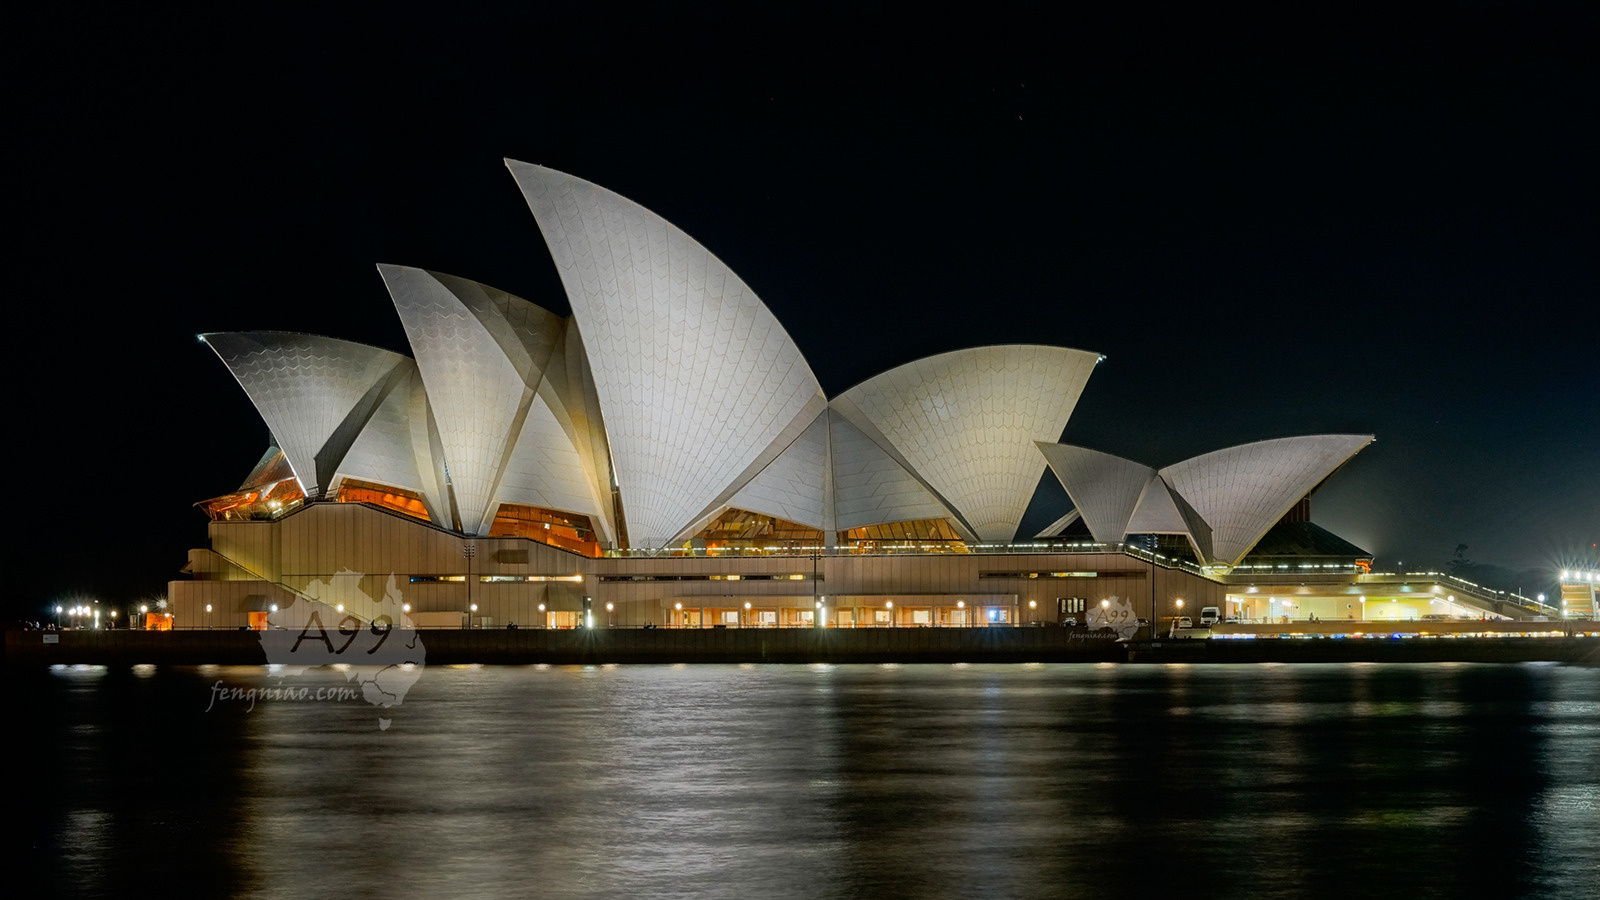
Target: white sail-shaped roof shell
(309, 389)
(695, 376)
(871, 487)
(966, 423)
(544, 468)
(1223, 501)
(794, 486)
(483, 355)
(395, 447)
(1161, 510)
(1104, 488)
(1243, 491)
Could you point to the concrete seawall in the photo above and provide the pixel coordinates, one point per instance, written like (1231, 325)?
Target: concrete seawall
(633, 645)
(798, 645)
(1577, 650)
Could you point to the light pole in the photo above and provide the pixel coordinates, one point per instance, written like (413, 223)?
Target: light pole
(816, 595)
(468, 551)
(1152, 585)
(889, 605)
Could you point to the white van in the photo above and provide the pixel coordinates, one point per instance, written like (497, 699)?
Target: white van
(1210, 616)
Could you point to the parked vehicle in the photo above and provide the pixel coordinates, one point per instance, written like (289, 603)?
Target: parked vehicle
(1184, 622)
(1210, 616)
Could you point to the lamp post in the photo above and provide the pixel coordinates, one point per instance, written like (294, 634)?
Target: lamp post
(816, 596)
(889, 605)
(468, 551)
(1152, 585)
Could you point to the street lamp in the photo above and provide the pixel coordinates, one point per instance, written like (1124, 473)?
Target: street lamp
(889, 605)
(468, 551)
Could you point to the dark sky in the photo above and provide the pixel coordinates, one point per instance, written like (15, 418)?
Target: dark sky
(1290, 222)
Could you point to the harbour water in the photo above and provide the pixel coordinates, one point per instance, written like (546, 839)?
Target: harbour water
(1092, 780)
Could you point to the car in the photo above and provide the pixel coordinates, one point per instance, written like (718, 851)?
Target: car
(1183, 622)
(1069, 621)
(1210, 616)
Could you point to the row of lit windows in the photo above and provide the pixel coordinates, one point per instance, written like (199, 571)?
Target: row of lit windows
(792, 576)
(496, 579)
(1128, 573)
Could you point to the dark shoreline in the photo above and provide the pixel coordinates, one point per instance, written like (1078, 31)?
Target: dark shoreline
(872, 645)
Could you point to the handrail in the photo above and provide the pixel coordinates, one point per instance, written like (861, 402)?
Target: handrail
(1475, 590)
(260, 577)
(922, 548)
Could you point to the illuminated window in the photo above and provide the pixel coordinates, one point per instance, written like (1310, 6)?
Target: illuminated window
(569, 531)
(930, 535)
(269, 492)
(744, 530)
(394, 499)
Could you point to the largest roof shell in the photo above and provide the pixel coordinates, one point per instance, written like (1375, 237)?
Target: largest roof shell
(697, 379)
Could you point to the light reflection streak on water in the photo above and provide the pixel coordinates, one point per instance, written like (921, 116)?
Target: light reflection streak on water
(837, 781)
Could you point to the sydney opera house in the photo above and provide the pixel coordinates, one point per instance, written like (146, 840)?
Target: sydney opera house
(665, 456)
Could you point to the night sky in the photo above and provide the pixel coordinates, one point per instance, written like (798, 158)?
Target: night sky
(1272, 224)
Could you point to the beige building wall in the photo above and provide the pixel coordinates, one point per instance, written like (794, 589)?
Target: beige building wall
(349, 551)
